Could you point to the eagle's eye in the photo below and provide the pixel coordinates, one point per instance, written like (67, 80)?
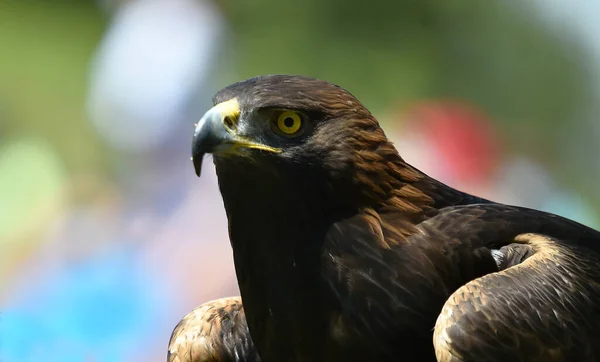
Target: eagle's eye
(289, 123)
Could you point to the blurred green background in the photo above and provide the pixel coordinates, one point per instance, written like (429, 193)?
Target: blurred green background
(107, 238)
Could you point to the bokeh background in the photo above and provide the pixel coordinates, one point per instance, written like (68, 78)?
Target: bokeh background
(107, 238)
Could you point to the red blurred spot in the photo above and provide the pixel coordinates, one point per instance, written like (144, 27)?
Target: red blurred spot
(462, 135)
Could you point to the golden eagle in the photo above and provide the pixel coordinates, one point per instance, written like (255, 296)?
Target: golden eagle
(344, 252)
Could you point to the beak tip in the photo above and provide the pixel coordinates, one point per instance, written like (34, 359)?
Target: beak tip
(197, 161)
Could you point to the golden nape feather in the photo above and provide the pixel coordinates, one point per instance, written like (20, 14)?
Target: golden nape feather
(345, 252)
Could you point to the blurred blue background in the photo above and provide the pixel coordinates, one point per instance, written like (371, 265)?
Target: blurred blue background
(107, 238)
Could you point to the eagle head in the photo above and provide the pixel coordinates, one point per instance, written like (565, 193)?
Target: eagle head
(297, 129)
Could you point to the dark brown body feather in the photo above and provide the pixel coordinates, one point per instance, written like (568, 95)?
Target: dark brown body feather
(344, 252)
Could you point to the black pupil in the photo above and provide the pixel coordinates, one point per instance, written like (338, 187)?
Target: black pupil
(289, 122)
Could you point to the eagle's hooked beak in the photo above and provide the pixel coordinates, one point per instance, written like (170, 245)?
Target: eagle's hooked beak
(216, 133)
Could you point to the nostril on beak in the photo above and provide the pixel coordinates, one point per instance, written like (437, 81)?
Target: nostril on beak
(229, 123)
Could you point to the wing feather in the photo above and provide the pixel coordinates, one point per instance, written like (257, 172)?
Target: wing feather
(544, 309)
(216, 331)
(504, 294)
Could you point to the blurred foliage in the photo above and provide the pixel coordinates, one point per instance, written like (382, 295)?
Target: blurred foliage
(44, 138)
(46, 47)
(29, 201)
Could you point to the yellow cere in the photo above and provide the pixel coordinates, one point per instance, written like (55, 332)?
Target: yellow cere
(230, 111)
(289, 122)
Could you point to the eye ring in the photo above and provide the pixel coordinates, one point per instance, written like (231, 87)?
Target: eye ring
(289, 123)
